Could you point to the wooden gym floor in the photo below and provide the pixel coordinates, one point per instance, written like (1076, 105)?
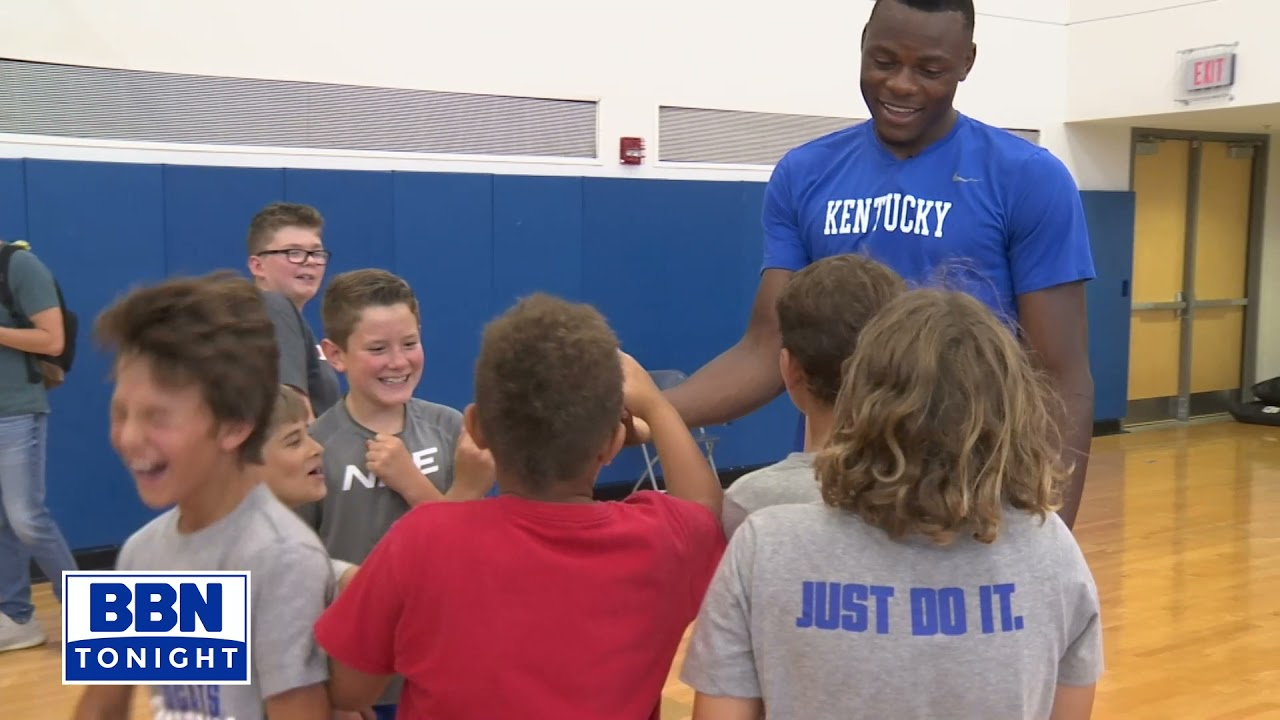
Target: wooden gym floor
(1181, 527)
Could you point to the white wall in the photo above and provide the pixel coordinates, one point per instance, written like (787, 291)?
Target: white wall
(1122, 70)
(1123, 53)
(1097, 155)
(710, 54)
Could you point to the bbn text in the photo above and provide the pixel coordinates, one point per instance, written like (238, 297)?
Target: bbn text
(150, 628)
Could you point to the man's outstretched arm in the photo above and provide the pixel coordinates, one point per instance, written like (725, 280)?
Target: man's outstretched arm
(1056, 328)
(745, 377)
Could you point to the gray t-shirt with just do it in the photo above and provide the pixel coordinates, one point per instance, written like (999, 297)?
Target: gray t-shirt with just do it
(824, 616)
(291, 584)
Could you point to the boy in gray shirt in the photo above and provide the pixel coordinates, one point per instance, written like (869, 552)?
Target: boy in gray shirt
(385, 450)
(821, 311)
(935, 581)
(287, 259)
(195, 384)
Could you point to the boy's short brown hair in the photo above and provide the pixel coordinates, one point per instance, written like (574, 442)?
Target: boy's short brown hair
(548, 389)
(212, 332)
(942, 421)
(822, 310)
(278, 216)
(291, 407)
(349, 293)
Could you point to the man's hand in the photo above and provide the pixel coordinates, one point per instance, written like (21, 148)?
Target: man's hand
(686, 472)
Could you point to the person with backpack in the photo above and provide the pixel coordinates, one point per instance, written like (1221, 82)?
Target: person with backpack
(35, 351)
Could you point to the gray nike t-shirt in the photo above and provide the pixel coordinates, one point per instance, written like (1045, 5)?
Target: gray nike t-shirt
(824, 616)
(788, 482)
(291, 583)
(358, 507)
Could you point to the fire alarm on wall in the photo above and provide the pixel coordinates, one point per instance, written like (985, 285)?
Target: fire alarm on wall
(632, 150)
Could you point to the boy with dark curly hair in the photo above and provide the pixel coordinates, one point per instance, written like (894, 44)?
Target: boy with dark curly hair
(541, 602)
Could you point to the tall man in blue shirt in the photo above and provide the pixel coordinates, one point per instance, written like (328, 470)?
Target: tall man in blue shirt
(939, 197)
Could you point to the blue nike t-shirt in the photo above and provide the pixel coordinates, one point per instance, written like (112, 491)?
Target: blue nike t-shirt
(981, 210)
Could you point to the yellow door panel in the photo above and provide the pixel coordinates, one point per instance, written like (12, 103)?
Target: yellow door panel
(1222, 223)
(1160, 186)
(1153, 354)
(1160, 221)
(1217, 345)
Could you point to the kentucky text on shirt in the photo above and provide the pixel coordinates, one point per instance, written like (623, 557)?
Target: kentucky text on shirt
(895, 212)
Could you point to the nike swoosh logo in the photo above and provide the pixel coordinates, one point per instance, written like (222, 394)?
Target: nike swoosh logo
(958, 178)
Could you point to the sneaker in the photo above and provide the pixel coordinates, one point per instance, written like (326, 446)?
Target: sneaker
(16, 636)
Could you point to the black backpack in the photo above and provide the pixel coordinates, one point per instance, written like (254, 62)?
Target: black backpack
(48, 369)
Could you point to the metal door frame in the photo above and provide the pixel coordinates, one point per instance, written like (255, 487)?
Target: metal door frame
(1186, 303)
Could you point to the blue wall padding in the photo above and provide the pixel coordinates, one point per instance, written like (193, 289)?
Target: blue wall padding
(537, 237)
(672, 264)
(1110, 217)
(207, 211)
(100, 227)
(13, 199)
(358, 209)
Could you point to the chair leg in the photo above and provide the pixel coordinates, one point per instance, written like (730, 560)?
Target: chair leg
(648, 470)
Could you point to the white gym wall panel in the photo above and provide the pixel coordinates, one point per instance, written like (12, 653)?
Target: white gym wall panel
(799, 59)
(1122, 54)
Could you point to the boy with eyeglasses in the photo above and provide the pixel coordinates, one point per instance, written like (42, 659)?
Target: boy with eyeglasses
(287, 260)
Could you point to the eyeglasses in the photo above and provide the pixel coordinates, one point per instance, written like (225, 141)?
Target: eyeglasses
(298, 256)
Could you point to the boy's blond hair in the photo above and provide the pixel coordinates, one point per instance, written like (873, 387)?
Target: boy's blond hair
(548, 389)
(348, 295)
(821, 313)
(941, 422)
(212, 332)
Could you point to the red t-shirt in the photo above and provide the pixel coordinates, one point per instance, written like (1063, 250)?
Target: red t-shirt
(512, 608)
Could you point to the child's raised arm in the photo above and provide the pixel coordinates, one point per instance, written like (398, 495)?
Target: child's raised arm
(687, 473)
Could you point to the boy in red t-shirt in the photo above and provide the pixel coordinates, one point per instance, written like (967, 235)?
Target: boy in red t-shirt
(541, 602)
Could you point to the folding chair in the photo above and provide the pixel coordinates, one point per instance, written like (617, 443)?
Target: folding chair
(665, 380)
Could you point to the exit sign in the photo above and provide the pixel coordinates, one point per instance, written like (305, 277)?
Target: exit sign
(1210, 72)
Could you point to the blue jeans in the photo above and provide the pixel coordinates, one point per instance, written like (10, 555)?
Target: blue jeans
(27, 529)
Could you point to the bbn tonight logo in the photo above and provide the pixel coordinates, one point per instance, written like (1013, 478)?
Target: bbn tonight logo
(155, 628)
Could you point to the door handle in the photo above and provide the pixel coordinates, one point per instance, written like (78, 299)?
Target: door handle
(1124, 288)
